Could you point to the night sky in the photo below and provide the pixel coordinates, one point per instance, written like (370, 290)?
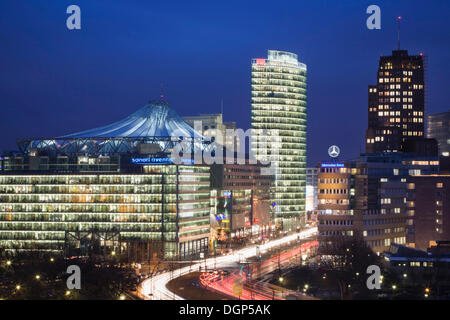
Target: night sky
(54, 81)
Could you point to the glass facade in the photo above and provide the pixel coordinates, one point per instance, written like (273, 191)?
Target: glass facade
(439, 129)
(165, 203)
(311, 189)
(279, 108)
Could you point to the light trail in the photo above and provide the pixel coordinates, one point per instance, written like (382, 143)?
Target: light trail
(155, 288)
(255, 290)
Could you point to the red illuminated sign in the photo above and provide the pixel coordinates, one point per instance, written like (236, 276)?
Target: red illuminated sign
(260, 62)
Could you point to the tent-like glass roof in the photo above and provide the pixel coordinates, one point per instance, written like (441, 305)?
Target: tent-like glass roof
(154, 123)
(156, 119)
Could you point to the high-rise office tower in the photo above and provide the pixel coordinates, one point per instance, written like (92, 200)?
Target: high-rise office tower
(439, 128)
(211, 124)
(396, 103)
(279, 109)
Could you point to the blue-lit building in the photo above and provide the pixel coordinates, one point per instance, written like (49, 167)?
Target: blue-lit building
(109, 190)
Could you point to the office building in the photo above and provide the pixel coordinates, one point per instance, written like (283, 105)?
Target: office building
(240, 201)
(428, 202)
(438, 127)
(366, 197)
(212, 125)
(109, 189)
(336, 216)
(311, 189)
(396, 103)
(279, 112)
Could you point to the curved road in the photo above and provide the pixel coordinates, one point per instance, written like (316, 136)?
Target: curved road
(155, 288)
(255, 289)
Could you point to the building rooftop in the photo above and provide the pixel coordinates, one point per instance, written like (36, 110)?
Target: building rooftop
(155, 119)
(154, 123)
(399, 252)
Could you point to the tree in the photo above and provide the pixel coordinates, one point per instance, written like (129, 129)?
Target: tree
(351, 257)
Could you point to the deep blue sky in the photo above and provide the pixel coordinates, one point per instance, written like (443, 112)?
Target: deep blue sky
(54, 81)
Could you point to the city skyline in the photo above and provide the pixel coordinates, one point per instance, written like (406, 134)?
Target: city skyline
(263, 151)
(55, 77)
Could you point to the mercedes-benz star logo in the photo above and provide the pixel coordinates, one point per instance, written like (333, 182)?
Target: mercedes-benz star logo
(334, 151)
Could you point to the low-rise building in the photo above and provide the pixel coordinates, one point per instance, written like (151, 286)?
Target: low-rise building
(429, 269)
(240, 201)
(428, 202)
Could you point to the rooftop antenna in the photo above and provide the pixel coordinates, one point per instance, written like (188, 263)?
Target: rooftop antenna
(399, 19)
(161, 95)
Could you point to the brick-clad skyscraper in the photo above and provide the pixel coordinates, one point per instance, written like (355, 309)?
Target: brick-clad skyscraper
(396, 103)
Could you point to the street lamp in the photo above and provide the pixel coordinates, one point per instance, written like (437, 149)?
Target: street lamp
(8, 263)
(280, 279)
(394, 287)
(18, 287)
(67, 293)
(122, 297)
(37, 277)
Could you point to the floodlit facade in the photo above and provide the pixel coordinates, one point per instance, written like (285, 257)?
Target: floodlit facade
(166, 206)
(279, 109)
(114, 189)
